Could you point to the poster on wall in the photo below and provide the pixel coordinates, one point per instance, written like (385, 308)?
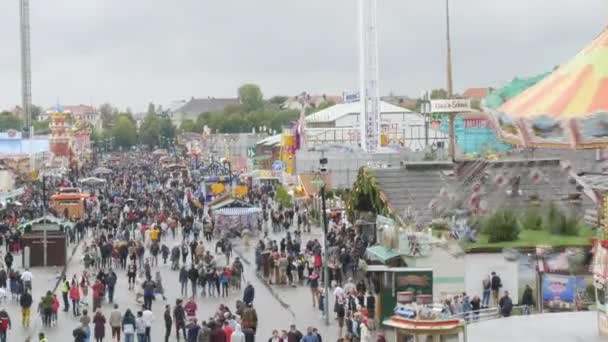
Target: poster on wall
(564, 293)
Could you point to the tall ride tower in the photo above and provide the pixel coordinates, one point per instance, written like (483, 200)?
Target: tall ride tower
(26, 70)
(369, 89)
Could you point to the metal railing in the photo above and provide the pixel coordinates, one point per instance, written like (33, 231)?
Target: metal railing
(490, 314)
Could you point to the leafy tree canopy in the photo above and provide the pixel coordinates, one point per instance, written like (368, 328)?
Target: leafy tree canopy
(251, 97)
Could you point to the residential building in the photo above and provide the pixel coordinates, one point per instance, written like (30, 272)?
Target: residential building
(477, 93)
(313, 101)
(190, 109)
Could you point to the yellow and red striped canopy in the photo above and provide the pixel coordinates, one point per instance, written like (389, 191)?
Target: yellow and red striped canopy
(568, 107)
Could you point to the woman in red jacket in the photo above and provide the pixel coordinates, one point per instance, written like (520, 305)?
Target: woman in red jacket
(75, 298)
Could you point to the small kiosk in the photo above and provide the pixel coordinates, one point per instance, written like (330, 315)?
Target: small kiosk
(56, 237)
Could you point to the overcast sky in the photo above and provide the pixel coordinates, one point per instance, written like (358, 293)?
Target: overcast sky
(130, 52)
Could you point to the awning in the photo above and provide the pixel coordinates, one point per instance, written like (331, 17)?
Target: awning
(381, 253)
(237, 211)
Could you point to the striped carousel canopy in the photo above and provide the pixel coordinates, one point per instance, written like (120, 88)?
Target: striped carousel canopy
(568, 108)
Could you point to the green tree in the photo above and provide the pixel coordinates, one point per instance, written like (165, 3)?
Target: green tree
(167, 129)
(278, 100)
(188, 126)
(283, 197)
(439, 94)
(41, 127)
(365, 196)
(251, 97)
(108, 115)
(9, 121)
(36, 111)
(149, 132)
(124, 131)
(151, 108)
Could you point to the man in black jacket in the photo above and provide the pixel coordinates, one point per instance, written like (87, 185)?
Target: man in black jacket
(111, 280)
(193, 276)
(496, 284)
(248, 294)
(26, 303)
(168, 322)
(179, 316)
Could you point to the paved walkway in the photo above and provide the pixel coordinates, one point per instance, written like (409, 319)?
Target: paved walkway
(567, 327)
(277, 307)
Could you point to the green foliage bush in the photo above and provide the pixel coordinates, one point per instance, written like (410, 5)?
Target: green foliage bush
(559, 223)
(501, 226)
(283, 197)
(532, 219)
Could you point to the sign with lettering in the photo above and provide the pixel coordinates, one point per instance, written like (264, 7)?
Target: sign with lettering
(450, 106)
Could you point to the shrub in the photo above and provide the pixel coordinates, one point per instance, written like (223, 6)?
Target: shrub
(501, 226)
(283, 197)
(532, 219)
(557, 222)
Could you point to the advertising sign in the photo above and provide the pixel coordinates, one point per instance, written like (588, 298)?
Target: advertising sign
(349, 97)
(450, 106)
(563, 293)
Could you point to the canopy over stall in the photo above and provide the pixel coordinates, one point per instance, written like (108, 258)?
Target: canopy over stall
(568, 108)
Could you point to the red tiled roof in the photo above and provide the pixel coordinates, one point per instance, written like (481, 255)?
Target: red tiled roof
(476, 93)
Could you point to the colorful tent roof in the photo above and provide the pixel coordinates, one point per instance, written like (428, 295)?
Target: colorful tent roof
(567, 108)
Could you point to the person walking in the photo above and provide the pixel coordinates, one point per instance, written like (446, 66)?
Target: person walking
(75, 298)
(99, 322)
(128, 326)
(193, 276)
(115, 323)
(140, 327)
(111, 280)
(46, 304)
(486, 284)
(168, 322)
(527, 300)
(248, 294)
(42, 337)
(85, 321)
(26, 306)
(495, 285)
(183, 280)
(148, 318)
(148, 287)
(65, 291)
(5, 325)
(179, 317)
(506, 305)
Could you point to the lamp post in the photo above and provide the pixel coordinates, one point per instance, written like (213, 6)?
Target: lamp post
(425, 110)
(320, 183)
(44, 234)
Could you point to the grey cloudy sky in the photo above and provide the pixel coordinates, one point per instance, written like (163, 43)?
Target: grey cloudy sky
(130, 52)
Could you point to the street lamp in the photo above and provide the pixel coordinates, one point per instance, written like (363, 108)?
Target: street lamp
(425, 110)
(320, 183)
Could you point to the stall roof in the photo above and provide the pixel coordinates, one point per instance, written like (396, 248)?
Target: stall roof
(47, 219)
(237, 211)
(227, 201)
(381, 253)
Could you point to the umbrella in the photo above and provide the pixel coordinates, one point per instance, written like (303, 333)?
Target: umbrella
(102, 171)
(92, 181)
(159, 152)
(130, 200)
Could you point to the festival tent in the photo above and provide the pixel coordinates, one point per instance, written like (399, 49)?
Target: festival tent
(567, 108)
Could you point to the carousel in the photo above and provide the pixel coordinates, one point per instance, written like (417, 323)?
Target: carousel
(568, 108)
